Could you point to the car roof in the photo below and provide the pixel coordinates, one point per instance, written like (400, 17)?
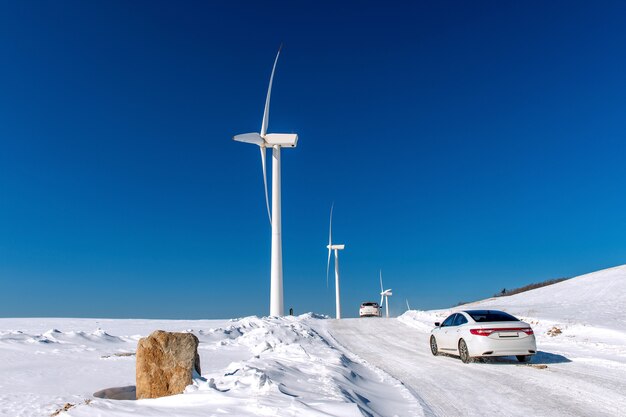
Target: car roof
(481, 311)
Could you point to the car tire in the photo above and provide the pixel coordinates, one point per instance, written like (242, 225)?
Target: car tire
(463, 352)
(523, 358)
(433, 346)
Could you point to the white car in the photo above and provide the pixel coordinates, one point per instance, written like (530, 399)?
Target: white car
(369, 309)
(483, 333)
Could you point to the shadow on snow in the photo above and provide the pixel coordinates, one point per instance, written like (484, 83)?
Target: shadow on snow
(540, 358)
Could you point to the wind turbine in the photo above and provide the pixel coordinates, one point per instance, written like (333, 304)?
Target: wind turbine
(408, 307)
(384, 294)
(275, 141)
(336, 248)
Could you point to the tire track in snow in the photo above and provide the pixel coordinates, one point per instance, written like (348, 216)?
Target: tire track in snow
(449, 387)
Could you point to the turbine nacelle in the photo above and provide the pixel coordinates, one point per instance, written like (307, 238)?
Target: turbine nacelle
(333, 247)
(284, 140)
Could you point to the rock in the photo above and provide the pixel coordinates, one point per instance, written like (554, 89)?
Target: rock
(117, 393)
(166, 363)
(554, 331)
(66, 407)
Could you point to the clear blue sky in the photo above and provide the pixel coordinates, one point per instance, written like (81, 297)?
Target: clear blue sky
(468, 146)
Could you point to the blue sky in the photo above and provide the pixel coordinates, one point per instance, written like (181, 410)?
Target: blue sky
(467, 147)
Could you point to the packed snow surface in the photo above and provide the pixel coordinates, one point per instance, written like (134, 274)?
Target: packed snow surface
(250, 367)
(315, 366)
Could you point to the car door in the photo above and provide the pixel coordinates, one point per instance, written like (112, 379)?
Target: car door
(456, 330)
(446, 332)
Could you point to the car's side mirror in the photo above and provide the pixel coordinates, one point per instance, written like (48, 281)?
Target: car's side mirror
(437, 324)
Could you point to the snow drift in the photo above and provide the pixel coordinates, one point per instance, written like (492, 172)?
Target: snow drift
(252, 366)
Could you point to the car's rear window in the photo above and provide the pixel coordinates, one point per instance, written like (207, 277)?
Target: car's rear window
(369, 304)
(482, 316)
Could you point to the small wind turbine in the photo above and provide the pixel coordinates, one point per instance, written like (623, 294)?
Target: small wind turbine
(384, 294)
(276, 141)
(336, 248)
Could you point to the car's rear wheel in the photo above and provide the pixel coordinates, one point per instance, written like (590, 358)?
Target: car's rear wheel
(433, 346)
(523, 358)
(463, 352)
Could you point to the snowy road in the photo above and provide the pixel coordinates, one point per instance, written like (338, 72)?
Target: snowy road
(447, 387)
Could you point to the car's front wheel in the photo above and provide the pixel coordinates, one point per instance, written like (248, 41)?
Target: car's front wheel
(523, 358)
(433, 346)
(463, 352)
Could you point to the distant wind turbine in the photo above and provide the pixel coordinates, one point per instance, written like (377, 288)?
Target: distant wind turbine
(276, 141)
(408, 307)
(336, 248)
(384, 294)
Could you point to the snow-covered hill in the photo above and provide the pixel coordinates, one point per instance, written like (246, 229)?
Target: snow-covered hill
(594, 300)
(597, 299)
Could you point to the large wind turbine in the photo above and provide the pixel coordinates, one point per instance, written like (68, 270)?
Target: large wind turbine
(276, 141)
(384, 294)
(336, 248)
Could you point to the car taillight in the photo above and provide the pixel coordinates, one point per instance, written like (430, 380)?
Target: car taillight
(482, 332)
(487, 332)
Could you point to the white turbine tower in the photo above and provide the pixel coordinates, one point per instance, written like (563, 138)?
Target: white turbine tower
(384, 294)
(276, 141)
(336, 248)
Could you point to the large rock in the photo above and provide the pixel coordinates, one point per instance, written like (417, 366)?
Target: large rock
(165, 363)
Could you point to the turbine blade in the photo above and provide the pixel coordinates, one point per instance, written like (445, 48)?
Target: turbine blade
(253, 138)
(266, 112)
(382, 298)
(330, 241)
(330, 227)
(263, 165)
(327, 267)
(408, 307)
(381, 281)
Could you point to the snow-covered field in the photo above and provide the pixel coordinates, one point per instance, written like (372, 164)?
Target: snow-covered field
(250, 367)
(313, 366)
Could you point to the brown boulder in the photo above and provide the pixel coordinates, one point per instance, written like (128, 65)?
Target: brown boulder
(165, 363)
